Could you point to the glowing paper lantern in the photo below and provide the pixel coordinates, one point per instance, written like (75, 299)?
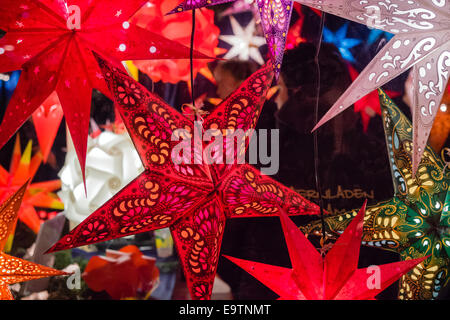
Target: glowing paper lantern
(421, 42)
(126, 273)
(53, 44)
(23, 167)
(47, 119)
(194, 200)
(416, 221)
(244, 43)
(340, 40)
(14, 270)
(177, 28)
(8, 214)
(334, 277)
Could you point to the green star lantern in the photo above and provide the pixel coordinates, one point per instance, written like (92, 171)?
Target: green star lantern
(416, 221)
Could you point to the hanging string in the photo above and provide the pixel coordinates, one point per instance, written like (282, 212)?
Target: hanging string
(191, 58)
(316, 145)
(195, 111)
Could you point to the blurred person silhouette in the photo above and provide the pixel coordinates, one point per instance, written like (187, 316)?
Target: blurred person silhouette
(230, 74)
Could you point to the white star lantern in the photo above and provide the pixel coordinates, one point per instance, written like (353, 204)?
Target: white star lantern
(421, 42)
(244, 43)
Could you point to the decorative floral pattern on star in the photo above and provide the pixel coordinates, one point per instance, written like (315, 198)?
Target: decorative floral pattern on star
(416, 221)
(275, 20)
(14, 270)
(369, 105)
(193, 199)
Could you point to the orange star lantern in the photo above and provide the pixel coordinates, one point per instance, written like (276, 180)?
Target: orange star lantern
(23, 167)
(14, 270)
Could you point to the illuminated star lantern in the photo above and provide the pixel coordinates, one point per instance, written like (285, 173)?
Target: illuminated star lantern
(340, 40)
(8, 214)
(244, 43)
(193, 199)
(275, 19)
(52, 43)
(46, 120)
(369, 105)
(334, 277)
(416, 221)
(178, 28)
(15, 270)
(294, 34)
(441, 127)
(112, 162)
(23, 167)
(421, 41)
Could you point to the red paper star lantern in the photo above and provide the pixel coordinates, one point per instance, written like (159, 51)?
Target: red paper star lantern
(275, 19)
(335, 277)
(47, 119)
(14, 270)
(53, 43)
(194, 200)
